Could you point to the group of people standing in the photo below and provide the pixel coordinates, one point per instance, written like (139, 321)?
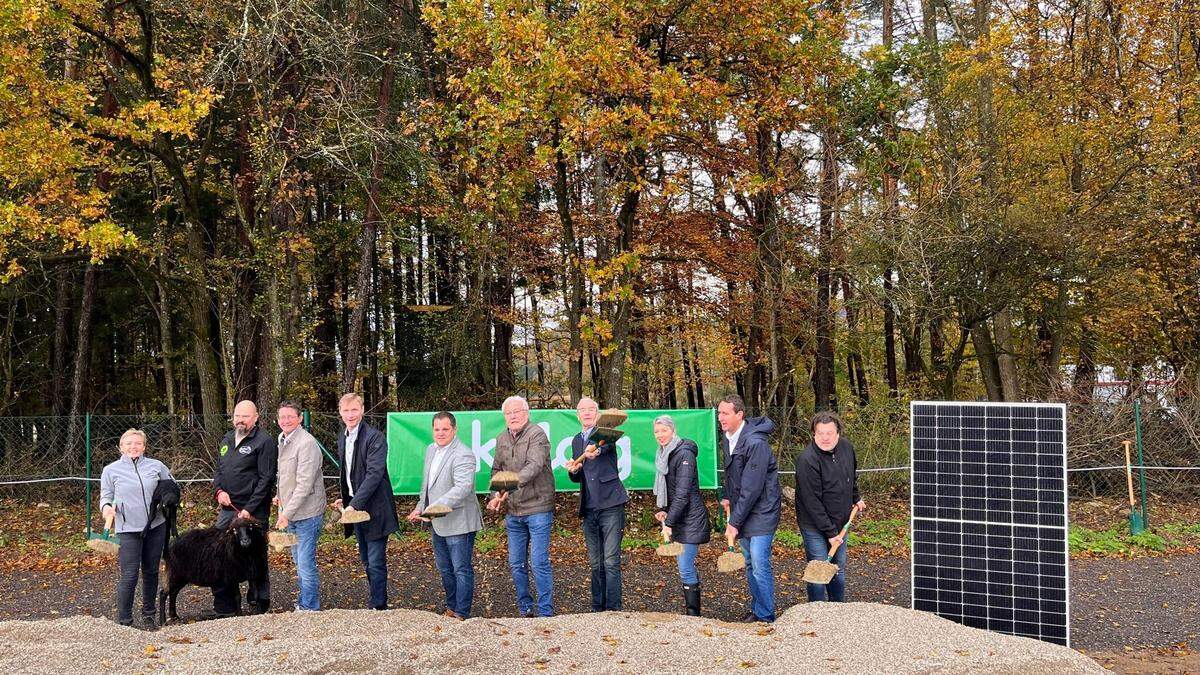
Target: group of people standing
(252, 463)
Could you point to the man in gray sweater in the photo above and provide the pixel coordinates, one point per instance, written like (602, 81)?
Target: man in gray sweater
(301, 499)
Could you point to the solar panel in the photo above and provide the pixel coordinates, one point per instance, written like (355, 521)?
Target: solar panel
(989, 516)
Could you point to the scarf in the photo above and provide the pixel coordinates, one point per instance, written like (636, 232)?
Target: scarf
(660, 469)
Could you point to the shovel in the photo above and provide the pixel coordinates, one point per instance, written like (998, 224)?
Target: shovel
(505, 481)
(732, 559)
(279, 540)
(605, 432)
(436, 511)
(1136, 524)
(612, 418)
(351, 515)
(104, 543)
(668, 549)
(823, 571)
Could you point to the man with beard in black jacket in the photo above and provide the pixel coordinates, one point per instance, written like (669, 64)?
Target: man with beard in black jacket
(751, 497)
(244, 481)
(826, 489)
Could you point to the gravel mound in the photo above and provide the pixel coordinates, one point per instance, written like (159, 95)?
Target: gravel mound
(821, 637)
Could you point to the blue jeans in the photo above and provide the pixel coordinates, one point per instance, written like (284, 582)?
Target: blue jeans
(529, 547)
(304, 553)
(602, 530)
(816, 547)
(373, 554)
(687, 564)
(452, 555)
(759, 577)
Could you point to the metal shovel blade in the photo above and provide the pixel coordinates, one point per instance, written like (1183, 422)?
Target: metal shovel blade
(1137, 524)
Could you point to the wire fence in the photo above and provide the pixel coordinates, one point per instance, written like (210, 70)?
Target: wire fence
(54, 456)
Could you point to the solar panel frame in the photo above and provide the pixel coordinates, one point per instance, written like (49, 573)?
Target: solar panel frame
(956, 535)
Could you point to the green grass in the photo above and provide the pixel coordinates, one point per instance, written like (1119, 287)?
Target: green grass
(1115, 541)
(1181, 530)
(890, 533)
(630, 543)
(789, 539)
(489, 538)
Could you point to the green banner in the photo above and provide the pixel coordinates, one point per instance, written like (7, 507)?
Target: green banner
(408, 435)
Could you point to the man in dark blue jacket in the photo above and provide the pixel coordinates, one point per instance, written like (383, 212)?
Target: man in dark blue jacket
(363, 476)
(602, 500)
(751, 497)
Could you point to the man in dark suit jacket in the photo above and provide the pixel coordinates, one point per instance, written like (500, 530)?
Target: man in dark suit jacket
(363, 476)
(751, 498)
(602, 500)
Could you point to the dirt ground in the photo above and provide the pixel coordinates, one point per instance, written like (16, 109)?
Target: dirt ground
(1135, 615)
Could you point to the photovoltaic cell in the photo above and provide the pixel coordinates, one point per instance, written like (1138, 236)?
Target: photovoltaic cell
(989, 516)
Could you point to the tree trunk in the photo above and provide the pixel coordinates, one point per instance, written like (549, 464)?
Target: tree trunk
(1006, 359)
(1083, 386)
(686, 361)
(502, 331)
(621, 317)
(891, 173)
(83, 345)
(202, 309)
(854, 359)
(985, 351)
(59, 403)
(639, 389)
(165, 340)
(824, 393)
(371, 221)
(572, 254)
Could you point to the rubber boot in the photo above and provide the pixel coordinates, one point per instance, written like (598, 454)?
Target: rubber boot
(691, 599)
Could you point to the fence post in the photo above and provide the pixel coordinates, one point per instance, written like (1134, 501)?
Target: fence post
(1137, 422)
(87, 454)
(306, 418)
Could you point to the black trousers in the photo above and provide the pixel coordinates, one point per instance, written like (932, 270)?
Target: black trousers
(228, 599)
(139, 553)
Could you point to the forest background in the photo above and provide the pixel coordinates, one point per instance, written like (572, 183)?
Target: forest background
(815, 204)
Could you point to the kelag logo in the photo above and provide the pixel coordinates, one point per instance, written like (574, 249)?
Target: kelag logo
(409, 434)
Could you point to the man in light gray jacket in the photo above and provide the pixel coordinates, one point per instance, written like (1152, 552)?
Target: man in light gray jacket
(449, 480)
(301, 499)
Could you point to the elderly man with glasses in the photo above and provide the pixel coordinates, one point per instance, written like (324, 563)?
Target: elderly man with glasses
(524, 449)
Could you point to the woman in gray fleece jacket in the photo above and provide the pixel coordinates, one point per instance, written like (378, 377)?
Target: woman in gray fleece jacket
(126, 490)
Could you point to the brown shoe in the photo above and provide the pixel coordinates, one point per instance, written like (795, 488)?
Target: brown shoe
(452, 614)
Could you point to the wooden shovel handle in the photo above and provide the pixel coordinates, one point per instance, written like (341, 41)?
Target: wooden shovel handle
(842, 534)
(578, 461)
(1129, 472)
(666, 537)
(728, 536)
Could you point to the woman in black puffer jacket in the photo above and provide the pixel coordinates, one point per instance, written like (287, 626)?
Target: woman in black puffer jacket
(681, 508)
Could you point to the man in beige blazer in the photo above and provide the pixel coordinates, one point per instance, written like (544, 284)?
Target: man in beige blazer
(301, 499)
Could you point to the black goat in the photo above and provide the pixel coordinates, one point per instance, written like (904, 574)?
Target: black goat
(214, 556)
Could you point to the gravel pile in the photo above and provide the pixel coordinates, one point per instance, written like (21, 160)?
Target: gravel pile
(822, 637)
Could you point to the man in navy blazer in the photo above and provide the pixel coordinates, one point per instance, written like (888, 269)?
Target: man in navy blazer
(602, 500)
(363, 476)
